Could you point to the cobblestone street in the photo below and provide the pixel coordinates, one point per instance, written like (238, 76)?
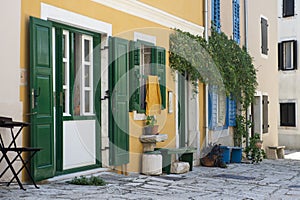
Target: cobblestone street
(271, 179)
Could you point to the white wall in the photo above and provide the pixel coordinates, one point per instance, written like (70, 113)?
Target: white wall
(289, 90)
(10, 16)
(10, 105)
(267, 73)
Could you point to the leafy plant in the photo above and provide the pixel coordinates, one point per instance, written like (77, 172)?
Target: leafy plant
(82, 180)
(241, 130)
(150, 120)
(221, 62)
(254, 151)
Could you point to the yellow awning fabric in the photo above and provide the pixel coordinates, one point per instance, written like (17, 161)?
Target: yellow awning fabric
(153, 97)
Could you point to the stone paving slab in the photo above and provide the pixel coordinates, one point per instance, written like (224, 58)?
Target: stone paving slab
(271, 179)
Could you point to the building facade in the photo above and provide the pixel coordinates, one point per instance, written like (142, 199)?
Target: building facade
(255, 28)
(261, 34)
(78, 72)
(288, 35)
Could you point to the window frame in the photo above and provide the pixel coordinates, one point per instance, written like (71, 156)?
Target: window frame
(264, 40)
(282, 55)
(288, 124)
(96, 38)
(136, 58)
(285, 12)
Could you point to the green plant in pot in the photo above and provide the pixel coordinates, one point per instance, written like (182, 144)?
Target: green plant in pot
(151, 128)
(254, 151)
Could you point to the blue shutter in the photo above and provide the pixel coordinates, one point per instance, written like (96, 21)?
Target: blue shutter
(236, 20)
(231, 114)
(215, 10)
(212, 107)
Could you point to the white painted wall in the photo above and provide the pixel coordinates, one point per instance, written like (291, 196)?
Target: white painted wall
(267, 73)
(289, 90)
(10, 105)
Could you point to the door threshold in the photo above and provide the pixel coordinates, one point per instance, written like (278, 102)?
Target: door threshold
(77, 174)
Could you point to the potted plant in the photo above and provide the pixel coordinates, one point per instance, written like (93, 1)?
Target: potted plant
(254, 151)
(150, 126)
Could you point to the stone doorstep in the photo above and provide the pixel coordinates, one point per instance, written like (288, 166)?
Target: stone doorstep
(77, 174)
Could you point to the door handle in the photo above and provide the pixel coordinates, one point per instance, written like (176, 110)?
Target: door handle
(34, 95)
(61, 101)
(33, 113)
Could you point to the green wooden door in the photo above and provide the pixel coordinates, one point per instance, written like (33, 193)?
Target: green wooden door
(181, 109)
(119, 101)
(41, 98)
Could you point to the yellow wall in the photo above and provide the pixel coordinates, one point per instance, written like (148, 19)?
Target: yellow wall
(191, 10)
(202, 114)
(122, 25)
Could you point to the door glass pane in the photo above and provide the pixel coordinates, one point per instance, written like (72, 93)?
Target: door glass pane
(87, 101)
(87, 76)
(63, 46)
(77, 76)
(86, 50)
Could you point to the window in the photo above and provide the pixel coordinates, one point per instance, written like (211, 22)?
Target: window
(236, 20)
(75, 71)
(287, 55)
(221, 113)
(288, 8)
(221, 109)
(66, 73)
(287, 114)
(216, 14)
(264, 36)
(145, 59)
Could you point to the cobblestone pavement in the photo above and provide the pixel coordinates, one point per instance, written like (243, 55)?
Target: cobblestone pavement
(271, 179)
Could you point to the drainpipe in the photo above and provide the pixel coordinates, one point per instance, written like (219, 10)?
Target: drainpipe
(206, 86)
(246, 22)
(246, 46)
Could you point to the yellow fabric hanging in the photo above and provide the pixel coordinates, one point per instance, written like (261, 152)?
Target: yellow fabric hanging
(153, 97)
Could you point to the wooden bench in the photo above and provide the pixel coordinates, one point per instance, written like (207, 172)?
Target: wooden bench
(275, 152)
(185, 154)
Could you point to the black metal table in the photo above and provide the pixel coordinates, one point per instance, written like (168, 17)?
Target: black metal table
(6, 122)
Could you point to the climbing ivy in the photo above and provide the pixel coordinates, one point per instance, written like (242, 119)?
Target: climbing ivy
(221, 62)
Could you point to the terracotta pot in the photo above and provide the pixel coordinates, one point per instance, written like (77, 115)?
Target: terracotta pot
(258, 144)
(151, 130)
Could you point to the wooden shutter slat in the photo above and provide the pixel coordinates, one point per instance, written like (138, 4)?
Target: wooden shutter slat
(280, 56)
(265, 114)
(295, 55)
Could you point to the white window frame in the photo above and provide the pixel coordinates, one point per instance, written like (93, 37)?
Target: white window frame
(291, 58)
(221, 122)
(296, 113)
(66, 62)
(83, 87)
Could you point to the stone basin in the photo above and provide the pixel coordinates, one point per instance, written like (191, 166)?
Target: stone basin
(153, 138)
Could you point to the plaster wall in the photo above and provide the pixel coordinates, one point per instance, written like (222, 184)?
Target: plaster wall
(288, 29)
(266, 65)
(11, 76)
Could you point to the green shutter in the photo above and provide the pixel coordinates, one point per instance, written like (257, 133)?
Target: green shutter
(41, 98)
(265, 104)
(159, 69)
(134, 74)
(118, 103)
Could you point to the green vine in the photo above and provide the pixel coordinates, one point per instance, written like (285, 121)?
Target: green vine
(221, 62)
(241, 130)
